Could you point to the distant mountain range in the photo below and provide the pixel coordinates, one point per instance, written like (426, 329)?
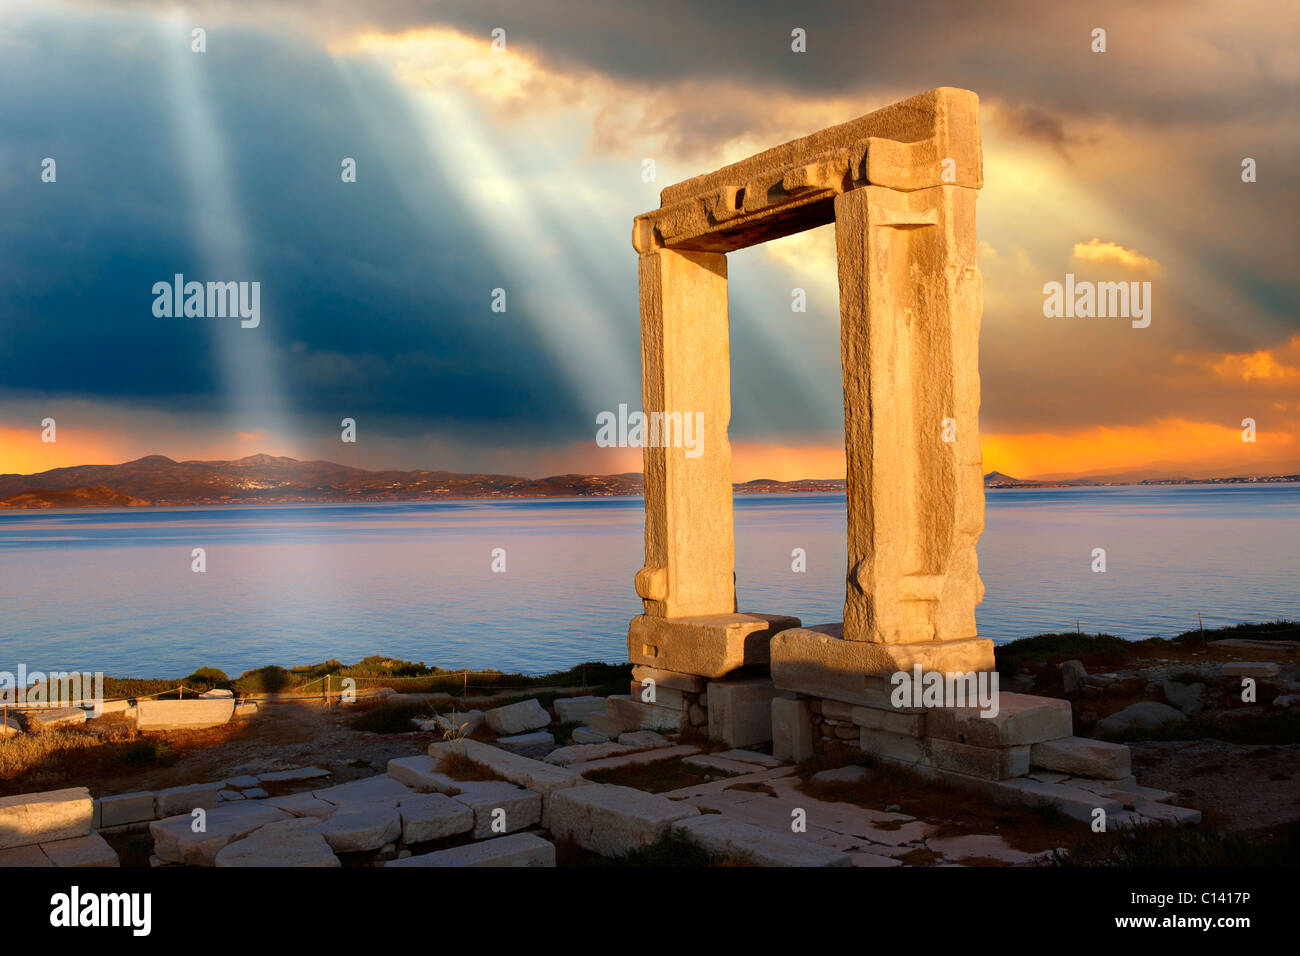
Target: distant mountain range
(157, 480)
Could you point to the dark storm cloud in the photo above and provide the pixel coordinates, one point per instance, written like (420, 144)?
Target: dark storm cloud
(368, 303)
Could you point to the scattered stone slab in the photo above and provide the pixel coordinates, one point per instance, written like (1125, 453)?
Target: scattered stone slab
(1144, 715)
(517, 718)
(53, 718)
(197, 714)
(432, 816)
(267, 847)
(420, 773)
(381, 790)
(243, 782)
(27, 856)
(985, 846)
(862, 858)
(533, 741)
(296, 775)
(176, 800)
(1125, 791)
(1186, 697)
(9, 726)
(540, 777)
(1287, 700)
(585, 735)
(726, 837)
(302, 805)
(750, 756)
(125, 808)
(518, 849)
(579, 753)
(1165, 813)
(635, 758)
(217, 693)
(85, 851)
(1250, 669)
(360, 827)
(31, 818)
(842, 775)
(225, 796)
(642, 739)
(255, 793)
(519, 808)
(578, 708)
(713, 762)
(611, 820)
(175, 840)
(1082, 757)
(729, 784)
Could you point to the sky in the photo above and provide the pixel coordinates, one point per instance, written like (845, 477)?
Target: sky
(521, 168)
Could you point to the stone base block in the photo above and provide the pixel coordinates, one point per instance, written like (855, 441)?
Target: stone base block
(1082, 757)
(711, 645)
(126, 808)
(818, 663)
(631, 714)
(988, 763)
(876, 718)
(792, 729)
(1021, 719)
(662, 696)
(740, 711)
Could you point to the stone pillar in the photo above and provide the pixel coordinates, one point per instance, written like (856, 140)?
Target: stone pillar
(690, 552)
(910, 302)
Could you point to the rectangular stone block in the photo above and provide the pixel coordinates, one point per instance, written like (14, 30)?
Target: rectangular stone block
(24, 856)
(633, 715)
(496, 803)
(688, 683)
(817, 663)
(517, 849)
(740, 711)
(760, 846)
(612, 820)
(604, 726)
(31, 818)
(569, 709)
(792, 730)
(126, 808)
(991, 763)
(877, 718)
(175, 800)
(420, 773)
(894, 746)
(183, 714)
(85, 851)
(1082, 757)
(540, 777)
(175, 841)
(660, 696)
(710, 645)
(1021, 719)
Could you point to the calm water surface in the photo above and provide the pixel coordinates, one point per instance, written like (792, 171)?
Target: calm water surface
(113, 591)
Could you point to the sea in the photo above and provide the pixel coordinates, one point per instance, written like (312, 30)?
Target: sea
(538, 585)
